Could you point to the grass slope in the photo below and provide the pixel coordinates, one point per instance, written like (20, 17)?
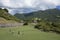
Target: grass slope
(5, 15)
(27, 33)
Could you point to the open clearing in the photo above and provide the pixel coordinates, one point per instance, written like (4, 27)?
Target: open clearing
(26, 33)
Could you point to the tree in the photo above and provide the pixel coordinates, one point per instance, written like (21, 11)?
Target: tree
(6, 10)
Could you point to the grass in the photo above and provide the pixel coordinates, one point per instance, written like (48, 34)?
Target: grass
(26, 33)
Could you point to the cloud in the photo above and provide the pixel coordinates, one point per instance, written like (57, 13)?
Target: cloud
(18, 5)
(29, 3)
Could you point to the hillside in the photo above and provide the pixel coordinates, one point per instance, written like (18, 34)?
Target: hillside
(48, 20)
(6, 17)
(49, 15)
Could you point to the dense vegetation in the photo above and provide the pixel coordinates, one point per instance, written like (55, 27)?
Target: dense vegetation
(49, 15)
(48, 20)
(4, 14)
(41, 25)
(48, 26)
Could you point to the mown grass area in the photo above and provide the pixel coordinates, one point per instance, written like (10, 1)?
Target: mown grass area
(26, 33)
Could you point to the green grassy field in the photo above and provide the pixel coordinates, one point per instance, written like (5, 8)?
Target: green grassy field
(26, 33)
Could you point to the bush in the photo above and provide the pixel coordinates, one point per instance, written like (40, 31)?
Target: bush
(48, 27)
(54, 25)
(38, 26)
(25, 23)
(6, 10)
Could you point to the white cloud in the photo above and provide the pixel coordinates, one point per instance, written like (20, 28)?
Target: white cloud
(30, 3)
(36, 4)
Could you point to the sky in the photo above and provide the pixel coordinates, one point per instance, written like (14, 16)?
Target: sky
(26, 6)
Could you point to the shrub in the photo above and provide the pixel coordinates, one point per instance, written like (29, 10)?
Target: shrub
(6, 10)
(18, 32)
(46, 28)
(38, 26)
(25, 23)
(54, 25)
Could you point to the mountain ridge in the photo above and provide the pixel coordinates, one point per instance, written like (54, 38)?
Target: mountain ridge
(50, 14)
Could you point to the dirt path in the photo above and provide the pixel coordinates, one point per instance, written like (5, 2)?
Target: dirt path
(10, 24)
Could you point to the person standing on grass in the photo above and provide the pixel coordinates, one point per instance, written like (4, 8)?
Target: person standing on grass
(18, 32)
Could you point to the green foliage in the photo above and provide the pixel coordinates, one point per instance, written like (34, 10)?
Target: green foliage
(51, 15)
(6, 10)
(48, 20)
(4, 14)
(26, 23)
(47, 27)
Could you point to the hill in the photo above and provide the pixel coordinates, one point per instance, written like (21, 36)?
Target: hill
(5, 16)
(49, 15)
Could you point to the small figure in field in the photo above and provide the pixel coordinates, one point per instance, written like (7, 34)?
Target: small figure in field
(12, 32)
(9, 30)
(22, 33)
(18, 32)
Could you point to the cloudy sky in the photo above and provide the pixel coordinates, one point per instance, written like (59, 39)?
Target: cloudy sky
(25, 6)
